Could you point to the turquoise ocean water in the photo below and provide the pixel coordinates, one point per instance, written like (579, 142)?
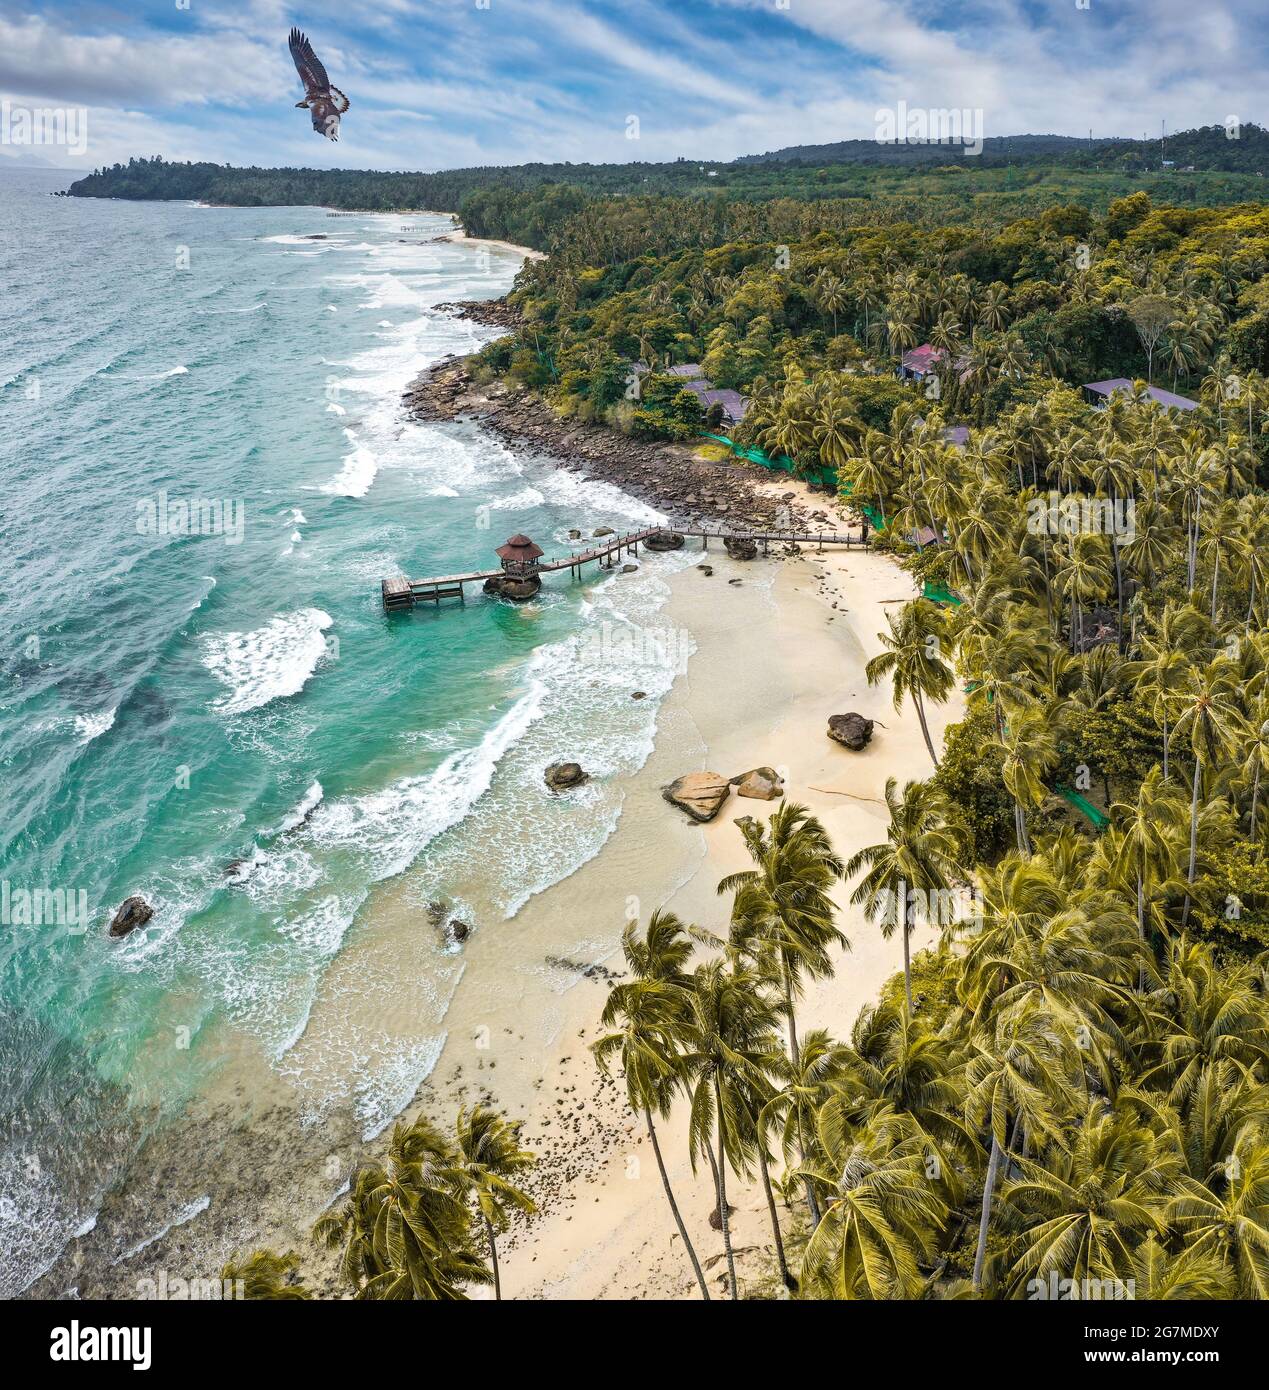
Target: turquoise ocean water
(172, 705)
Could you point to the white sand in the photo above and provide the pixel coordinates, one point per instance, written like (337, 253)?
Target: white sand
(608, 1232)
(526, 251)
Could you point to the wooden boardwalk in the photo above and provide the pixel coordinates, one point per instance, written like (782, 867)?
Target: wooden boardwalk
(401, 593)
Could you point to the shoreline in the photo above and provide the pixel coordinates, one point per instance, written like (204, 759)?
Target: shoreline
(458, 234)
(675, 478)
(778, 648)
(613, 1237)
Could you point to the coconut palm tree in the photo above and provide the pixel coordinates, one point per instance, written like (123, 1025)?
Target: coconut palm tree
(730, 1057)
(1179, 631)
(1080, 1213)
(914, 660)
(264, 1274)
(1016, 1082)
(918, 859)
(1230, 1222)
(782, 906)
(405, 1226)
(1160, 1276)
(899, 1061)
(1204, 1017)
(647, 1016)
(1209, 719)
(489, 1157)
(1030, 749)
(883, 1213)
(1146, 845)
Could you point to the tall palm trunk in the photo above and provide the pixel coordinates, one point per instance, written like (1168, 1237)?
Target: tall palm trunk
(993, 1164)
(1189, 876)
(674, 1206)
(493, 1258)
(795, 1052)
(795, 1056)
(1141, 928)
(925, 728)
(720, 1179)
(1255, 798)
(1165, 747)
(907, 957)
(786, 1277)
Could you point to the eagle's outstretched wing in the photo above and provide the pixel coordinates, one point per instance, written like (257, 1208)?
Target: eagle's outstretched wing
(308, 65)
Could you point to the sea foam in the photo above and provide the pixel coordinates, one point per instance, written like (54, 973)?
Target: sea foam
(269, 663)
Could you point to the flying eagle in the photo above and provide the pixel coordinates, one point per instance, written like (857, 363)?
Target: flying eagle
(326, 104)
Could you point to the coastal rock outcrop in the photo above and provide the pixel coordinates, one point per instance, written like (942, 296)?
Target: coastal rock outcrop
(506, 586)
(133, 912)
(453, 931)
(760, 783)
(700, 794)
(852, 730)
(693, 491)
(664, 540)
(560, 776)
(740, 547)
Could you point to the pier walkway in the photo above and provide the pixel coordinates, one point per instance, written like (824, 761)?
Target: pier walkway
(402, 593)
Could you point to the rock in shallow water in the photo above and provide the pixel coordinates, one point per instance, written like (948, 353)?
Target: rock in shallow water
(700, 794)
(133, 912)
(504, 586)
(561, 776)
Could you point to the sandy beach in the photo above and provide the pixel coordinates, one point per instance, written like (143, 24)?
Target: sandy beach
(780, 645)
(461, 236)
(769, 670)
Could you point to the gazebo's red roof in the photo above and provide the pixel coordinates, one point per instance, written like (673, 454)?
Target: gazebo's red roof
(519, 547)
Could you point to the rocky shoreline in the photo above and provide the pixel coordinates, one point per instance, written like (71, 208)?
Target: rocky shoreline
(689, 489)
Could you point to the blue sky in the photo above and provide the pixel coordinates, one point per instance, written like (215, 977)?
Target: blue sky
(443, 83)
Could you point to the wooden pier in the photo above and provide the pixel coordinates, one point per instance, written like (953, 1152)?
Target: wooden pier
(401, 593)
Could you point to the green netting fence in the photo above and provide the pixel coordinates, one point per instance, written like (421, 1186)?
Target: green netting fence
(825, 477)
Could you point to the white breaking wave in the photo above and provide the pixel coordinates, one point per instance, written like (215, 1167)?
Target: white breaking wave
(308, 803)
(296, 241)
(357, 474)
(392, 827)
(268, 664)
(91, 726)
(187, 1213)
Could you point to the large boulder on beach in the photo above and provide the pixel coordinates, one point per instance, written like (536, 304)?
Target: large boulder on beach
(133, 912)
(760, 783)
(852, 731)
(561, 776)
(700, 794)
(741, 547)
(664, 540)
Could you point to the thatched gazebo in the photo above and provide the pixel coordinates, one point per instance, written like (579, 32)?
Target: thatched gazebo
(520, 555)
(519, 579)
